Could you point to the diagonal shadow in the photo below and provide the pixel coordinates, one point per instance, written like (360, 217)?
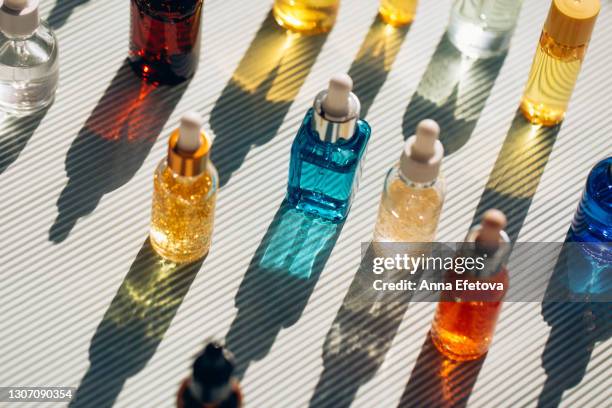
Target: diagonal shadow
(577, 323)
(133, 326)
(61, 12)
(374, 60)
(517, 172)
(453, 92)
(361, 334)
(112, 145)
(15, 132)
(438, 381)
(278, 282)
(254, 102)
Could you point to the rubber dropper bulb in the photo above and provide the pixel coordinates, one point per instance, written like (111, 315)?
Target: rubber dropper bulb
(337, 102)
(16, 5)
(491, 226)
(190, 132)
(422, 156)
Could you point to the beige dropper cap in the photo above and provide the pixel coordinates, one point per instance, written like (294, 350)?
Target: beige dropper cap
(189, 147)
(422, 155)
(491, 227)
(571, 22)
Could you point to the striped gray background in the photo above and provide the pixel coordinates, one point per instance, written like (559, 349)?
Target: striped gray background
(65, 290)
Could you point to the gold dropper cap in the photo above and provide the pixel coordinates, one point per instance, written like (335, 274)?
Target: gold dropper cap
(571, 22)
(189, 147)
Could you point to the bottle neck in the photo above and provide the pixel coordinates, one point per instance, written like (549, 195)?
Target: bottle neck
(332, 129)
(413, 184)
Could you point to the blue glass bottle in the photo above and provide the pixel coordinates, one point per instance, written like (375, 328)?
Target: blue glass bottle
(327, 154)
(592, 225)
(593, 219)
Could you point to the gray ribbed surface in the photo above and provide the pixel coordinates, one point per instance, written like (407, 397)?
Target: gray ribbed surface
(67, 283)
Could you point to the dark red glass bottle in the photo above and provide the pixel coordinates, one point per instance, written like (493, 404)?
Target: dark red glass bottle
(165, 39)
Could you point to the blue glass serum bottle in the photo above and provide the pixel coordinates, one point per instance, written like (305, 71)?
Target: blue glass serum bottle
(328, 152)
(593, 219)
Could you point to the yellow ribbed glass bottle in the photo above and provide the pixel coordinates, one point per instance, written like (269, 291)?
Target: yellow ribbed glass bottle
(398, 12)
(558, 59)
(184, 195)
(306, 16)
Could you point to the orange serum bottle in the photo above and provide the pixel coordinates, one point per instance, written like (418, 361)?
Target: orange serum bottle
(465, 320)
(212, 383)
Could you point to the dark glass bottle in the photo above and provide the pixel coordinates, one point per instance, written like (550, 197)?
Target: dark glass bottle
(212, 383)
(165, 39)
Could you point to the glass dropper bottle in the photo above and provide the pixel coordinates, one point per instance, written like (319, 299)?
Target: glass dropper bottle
(558, 59)
(414, 190)
(463, 327)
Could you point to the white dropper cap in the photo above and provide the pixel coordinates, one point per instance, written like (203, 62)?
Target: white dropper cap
(423, 152)
(337, 101)
(190, 132)
(19, 18)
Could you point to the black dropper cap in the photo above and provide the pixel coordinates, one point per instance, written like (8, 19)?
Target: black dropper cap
(212, 374)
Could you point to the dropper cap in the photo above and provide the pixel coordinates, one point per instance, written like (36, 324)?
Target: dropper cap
(336, 110)
(571, 22)
(19, 18)
(189, 147)
(491, 229)
(213, 369)
(423, 152)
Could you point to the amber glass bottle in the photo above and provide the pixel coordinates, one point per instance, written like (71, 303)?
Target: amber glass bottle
(465, 321)
(165, 39)
(306, 16)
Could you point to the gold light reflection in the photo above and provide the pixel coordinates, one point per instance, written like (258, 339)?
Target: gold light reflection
(522, 159)
(277, 58)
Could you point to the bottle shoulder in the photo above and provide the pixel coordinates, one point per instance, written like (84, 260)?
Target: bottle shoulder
(201, 187)
(39, 49)
(398, 186)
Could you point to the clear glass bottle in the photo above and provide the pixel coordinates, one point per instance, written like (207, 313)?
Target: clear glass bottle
(165, 39)
(414, 190)
(558, 59)
(398, 12)
(328, 152)
(29, 68)
(483, 28)
(184, 196)
(465, 321)
(306, 16)
(212, 383)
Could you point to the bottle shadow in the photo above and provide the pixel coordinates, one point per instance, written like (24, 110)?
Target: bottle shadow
(361, 334)
(254, 102)
(278, 283)
(576, 321)
(61, 12)
(437, 381)
(517, 172)
(15, 132)
(112, 145)
(374, 60)
(453, 92)
(133, 326)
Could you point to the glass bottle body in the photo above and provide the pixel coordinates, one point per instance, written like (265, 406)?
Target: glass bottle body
(551, 81)
(409, 212)
(398, 12)
(483, 28)
(323, 176)
(165, 39)
(306, 16)
(29, 71)
(183, 213)
(463, 329)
